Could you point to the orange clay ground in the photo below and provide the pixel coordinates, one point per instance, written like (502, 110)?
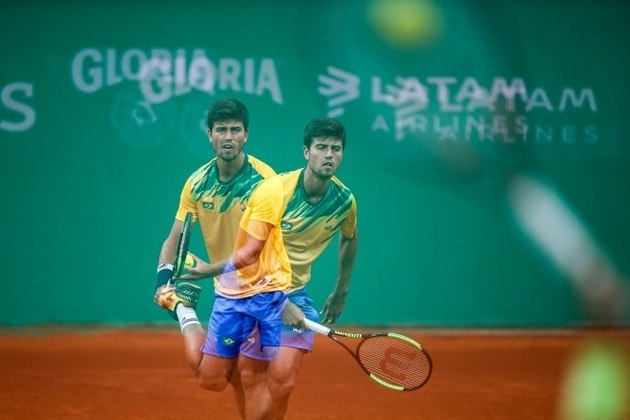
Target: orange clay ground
(141, 374)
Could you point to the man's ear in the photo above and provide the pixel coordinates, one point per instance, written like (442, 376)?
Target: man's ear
(306, 152)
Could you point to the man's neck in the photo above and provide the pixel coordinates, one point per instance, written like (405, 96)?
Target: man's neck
(315, 187)
(228, 169)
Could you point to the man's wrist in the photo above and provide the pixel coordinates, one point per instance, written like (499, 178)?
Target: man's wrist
(164, 274)
(341, 291)
(229, 267)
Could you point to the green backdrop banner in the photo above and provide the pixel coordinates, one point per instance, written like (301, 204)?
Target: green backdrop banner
(487, 148)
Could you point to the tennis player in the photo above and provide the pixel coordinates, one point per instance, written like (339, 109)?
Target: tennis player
(316, 205)
(252, 268)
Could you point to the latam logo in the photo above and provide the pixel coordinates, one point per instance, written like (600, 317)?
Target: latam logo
(447, 108)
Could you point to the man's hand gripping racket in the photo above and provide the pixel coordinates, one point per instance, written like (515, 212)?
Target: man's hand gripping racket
(393, 360)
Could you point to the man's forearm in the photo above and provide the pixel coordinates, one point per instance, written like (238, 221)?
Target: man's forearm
(347, 253)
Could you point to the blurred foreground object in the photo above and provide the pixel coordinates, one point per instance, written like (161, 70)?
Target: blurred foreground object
(406, 24)
(567, 244)
(596, 385)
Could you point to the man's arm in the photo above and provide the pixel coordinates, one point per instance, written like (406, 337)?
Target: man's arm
(167, 253)
(245, 255)
(166, 258)
(337, 299)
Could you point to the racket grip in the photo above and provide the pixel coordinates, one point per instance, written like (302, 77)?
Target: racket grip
(314, 326)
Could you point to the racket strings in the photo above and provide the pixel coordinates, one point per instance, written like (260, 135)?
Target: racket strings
(395, 361)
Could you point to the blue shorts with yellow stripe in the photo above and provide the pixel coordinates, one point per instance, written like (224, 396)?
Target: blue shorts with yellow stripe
(233, 320)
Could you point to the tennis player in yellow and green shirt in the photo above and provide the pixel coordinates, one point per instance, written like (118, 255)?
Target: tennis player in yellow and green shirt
(249, 261)
(315, 207)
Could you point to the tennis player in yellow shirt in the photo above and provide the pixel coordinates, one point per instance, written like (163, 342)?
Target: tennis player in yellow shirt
(316, 205)
(252, 269)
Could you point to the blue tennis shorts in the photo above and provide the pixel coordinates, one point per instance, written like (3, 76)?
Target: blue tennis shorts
(233, 320)
(290, 337)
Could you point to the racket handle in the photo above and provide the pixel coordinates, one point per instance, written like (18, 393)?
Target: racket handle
(314, 326)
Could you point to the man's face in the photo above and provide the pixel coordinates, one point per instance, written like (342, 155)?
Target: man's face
(228, 138)
(324, 156)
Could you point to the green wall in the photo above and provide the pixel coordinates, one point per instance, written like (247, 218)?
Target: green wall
(101, 121)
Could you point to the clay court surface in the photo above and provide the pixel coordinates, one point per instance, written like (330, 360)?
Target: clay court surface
(114, 373)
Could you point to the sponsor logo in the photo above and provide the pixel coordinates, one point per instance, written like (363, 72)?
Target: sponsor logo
(453, 109)
(144, 113)
(163, 73)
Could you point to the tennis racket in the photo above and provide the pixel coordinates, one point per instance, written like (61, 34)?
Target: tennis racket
(393, 360)
(182, 247)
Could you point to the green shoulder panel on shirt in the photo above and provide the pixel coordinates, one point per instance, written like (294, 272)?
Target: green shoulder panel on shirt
(205, 183)
(330, 211)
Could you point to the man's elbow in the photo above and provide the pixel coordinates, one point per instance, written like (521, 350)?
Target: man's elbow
(249, 256)
(250, 259)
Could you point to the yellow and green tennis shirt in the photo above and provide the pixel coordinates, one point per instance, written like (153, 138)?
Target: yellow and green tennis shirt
(308, 228)
(218, 206)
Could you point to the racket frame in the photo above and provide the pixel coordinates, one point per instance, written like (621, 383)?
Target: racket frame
(182, 247)
(333, 334)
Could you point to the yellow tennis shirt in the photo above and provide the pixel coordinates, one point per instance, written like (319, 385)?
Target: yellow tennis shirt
(299, 234)
(218, 206)
(308, 228)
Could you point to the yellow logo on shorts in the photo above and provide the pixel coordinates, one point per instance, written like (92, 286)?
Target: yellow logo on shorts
(229, 341)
